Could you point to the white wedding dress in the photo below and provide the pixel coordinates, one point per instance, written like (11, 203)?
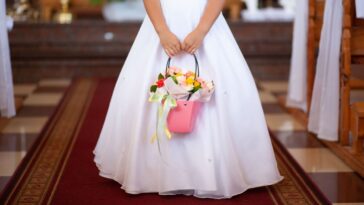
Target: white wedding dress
(228, 152)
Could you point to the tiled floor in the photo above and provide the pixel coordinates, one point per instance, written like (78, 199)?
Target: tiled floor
(283, 122)
(23, 125)
(9, 161)
(43, 99)
(336, 180)
(318, 160)
(19, 134)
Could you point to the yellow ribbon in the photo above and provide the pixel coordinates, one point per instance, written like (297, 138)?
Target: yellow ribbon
(163, 111)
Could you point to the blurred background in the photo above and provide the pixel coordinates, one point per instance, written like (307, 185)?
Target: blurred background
(54, 43)
(67, 38)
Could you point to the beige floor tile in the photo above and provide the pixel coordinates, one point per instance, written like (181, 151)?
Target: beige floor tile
(318, 160)
(24, 89)
(43, 99)
(275, 86)
(267, 97)
(31, 125)
(9, 162)
(283, 122)
(55, 82)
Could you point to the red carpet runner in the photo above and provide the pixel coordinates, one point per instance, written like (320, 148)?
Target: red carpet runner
(60, 168)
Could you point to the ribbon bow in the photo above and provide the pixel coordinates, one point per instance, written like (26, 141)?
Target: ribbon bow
(166, 103)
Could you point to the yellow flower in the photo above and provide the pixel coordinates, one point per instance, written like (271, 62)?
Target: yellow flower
(196, 84)
(190, 80)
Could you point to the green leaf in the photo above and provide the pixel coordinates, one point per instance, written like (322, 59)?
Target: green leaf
(175, 79)
(160, 76)
(153, 88)
(196, 89)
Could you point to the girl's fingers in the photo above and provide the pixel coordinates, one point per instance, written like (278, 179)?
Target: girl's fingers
(194, 48)
(187, 47)
(183, 46)
(170, 48)
(173, 50)
(168, 53)
(191, 50)
(172, 53)
(177, 48)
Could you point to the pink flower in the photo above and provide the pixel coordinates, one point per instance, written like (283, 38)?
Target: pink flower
(177, 70)
(189, 73)
(173, 70)
(203, 84)
(200, 80)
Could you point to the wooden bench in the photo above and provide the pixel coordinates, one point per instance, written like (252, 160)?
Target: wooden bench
(315, 22)
(357, 126)
(352, 53)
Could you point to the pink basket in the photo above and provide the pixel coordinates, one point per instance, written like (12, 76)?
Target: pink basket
(182, 118)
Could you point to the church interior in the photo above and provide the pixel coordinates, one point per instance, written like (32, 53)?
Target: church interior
(64, 56)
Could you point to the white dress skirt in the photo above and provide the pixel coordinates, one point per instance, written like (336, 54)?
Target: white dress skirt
(229, 150)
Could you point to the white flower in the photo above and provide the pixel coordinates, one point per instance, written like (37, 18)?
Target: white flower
(210, 85)
(187, 87)
(181, 79)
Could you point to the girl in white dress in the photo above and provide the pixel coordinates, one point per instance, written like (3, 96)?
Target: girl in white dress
(229, 150)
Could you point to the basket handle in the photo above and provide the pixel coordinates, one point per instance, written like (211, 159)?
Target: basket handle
(197, 66)
(197, 70)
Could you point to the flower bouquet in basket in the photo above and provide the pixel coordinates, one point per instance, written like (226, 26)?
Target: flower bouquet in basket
(179, 95)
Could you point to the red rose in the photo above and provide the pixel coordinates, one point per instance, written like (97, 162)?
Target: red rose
(160, 83)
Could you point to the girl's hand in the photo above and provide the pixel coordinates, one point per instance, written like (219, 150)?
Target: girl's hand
(193, 41)
(170, 43)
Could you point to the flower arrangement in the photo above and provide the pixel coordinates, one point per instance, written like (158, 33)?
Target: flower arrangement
(182, 86)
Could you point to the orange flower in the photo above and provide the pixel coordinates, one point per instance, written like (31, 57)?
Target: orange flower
(189, 73)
